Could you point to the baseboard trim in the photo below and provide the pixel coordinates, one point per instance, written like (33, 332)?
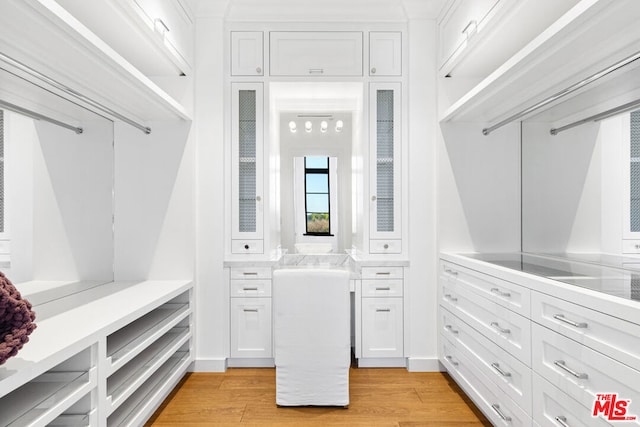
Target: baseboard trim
(209, 365)
(381, 362)
(266, 362)
(424, 364)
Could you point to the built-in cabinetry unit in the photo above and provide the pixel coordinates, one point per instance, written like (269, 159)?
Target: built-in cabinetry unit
(379, 315)
(247, 57)
(95, 366)
(385, 53)
(251, 319)
(529, 349)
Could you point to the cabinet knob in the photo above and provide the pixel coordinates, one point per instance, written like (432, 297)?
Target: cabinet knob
(373, 198)
(259, 70)
(373, 70)
(246, 247)
(386, 246)
(258, 198)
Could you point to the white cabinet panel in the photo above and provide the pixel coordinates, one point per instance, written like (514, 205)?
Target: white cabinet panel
(385, 53)
(319, 53)
(385, 246)
(612, 336)
(382, 327)
(382, 288)
(580, 372)
(382, 272)
(250, 273)
(250, 288)
(247, 55)
(251, 327)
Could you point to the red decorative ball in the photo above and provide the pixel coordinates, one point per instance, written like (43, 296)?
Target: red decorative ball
(16, 320)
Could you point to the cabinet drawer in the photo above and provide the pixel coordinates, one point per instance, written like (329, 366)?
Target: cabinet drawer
(382, 272)
(382, 327)
(315, 53)
(497, 406)
(251, 273)
(507, 329)
(250, 288)
(614, 337)
(510, 375)
(552, 407)
(385, 246)
(247, 246)
(251, 327)
(580, 372)
(507, 294)
(382, 288)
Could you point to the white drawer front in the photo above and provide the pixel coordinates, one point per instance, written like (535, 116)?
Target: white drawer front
(382, 272)
(385, 246)
(250, 288)
(509, 330)
(499, 408)
(581, 372)
(382, 288)
(247, 246)
(510, 375)
(249, 273)
(612, 336)
(552, 407)
(507, 294)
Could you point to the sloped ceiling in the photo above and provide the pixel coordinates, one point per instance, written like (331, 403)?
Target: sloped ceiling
(319, 10)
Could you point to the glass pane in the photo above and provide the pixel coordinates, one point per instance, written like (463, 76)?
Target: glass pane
(317, 223)
(316, 162)
(247, 124)
(635, 173)
(317, 183)
(318, 203)
(384, 161)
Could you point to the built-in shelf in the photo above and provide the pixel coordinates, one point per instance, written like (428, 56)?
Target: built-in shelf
(75, 420)
(590, 37)
(59, 46)
(149, 395)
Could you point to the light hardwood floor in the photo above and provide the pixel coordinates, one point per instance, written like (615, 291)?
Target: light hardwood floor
(378, 397)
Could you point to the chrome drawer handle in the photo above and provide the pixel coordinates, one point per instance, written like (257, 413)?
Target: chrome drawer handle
(250, 310)
(563, 319)
(316, 71)
(500, 293)
(450, 297)
(249, 289)
(454, 273)
(450, 329)
(249, 273)
(383, 289)
(502, 330)
(497, 410)
(383, 273)
(450, 359)
(497, 367)
(383, 310)
(562, 420)
(579, 375)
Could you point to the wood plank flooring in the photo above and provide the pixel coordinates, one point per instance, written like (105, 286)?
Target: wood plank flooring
(378, 397)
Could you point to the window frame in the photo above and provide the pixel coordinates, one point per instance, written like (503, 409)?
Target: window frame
(317, 171)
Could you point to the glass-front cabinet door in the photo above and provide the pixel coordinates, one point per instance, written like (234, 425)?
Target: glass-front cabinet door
(385, 142)
(247, 161)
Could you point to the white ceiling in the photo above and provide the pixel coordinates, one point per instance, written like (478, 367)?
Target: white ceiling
(319, 10)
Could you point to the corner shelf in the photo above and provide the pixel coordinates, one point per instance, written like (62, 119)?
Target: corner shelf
(591, 36)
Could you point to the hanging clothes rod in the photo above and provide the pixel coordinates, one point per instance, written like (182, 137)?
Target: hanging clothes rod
(17, 109)
(600, 116)
(592, 78)
(75, 94)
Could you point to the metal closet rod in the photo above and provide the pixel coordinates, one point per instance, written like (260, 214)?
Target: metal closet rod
(600, 116)
(592, 78)
(56, 84)
(17, 109)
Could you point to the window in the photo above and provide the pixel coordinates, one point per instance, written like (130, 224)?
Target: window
(317, 197)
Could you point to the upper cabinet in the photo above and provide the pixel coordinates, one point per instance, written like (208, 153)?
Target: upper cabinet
(315, 53)
(247, 57)
(385, 53)
(156, 36)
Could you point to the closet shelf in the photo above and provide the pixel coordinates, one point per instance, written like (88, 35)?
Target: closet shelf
(75, 420)
(57, 45)
(591, 36)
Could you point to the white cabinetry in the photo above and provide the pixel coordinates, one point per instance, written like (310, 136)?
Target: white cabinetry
(247, 55)
(384, 181)
(247, 167)
(251, 319)
(315, 53)
(385, 53)
(382, 314)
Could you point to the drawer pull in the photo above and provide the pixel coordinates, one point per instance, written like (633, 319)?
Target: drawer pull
(383, 310)
(387, 288)
(450, 297)
(316, 71)
(496, 326)
(497, 410)
(249, 273)
(249, 289)
(454, 273)
(250, 310)
(497, 367)
(450, 329)
(563, 319)
(450, 359)
(500, 293)
(579, 375)
(383, 273)
(562, 420)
